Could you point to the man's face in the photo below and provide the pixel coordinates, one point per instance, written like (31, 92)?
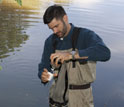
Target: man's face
(59, 27)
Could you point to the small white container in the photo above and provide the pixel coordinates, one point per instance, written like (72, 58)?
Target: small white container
(50, 76)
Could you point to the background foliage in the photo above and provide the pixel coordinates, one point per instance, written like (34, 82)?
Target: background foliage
(18, 1)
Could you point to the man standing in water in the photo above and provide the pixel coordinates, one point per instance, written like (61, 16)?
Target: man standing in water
(70, 53)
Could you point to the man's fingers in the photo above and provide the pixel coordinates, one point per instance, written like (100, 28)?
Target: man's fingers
(45, 70)
(55, 75)
(53, 57)
(57, 60)
(44, 80)
(85, 57)
(62, 61)
(45, 75)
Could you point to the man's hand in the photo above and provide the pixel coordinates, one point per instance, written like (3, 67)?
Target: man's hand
(60, 57)
(45, 75)
(63, 56)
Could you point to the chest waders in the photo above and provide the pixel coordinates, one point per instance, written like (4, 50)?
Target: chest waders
(72, 86)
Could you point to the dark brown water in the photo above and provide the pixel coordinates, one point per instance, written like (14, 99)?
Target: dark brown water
(22, 35)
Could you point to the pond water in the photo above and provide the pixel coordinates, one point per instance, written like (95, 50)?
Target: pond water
(22, 36)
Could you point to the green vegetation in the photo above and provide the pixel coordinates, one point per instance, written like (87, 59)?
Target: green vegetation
(18, 1)
(0, 68)
(0, 1)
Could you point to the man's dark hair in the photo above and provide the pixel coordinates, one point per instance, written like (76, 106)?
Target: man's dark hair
(54, 11)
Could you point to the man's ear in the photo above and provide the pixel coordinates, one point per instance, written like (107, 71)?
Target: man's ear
(65, 18)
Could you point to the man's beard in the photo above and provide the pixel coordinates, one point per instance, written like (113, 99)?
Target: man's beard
(64, 30)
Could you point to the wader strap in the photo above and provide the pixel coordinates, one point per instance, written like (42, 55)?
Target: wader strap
(75, 87)
(57, 103)
(74, 36)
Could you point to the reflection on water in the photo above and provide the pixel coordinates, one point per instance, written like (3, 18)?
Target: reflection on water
(12, 33)
(13, 25)
(22, 30)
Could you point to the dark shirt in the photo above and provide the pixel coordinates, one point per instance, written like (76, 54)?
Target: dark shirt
(88, 44)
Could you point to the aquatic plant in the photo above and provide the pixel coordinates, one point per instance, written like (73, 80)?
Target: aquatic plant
(18, 1)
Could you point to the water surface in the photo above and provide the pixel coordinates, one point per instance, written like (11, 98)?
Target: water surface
(22, 36)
